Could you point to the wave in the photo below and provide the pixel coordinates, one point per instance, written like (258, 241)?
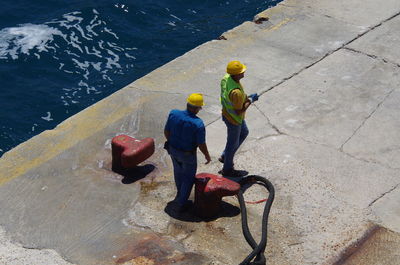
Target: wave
(25, 38)
(77, 44)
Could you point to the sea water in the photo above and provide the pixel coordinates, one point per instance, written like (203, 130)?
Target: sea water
(58, 57)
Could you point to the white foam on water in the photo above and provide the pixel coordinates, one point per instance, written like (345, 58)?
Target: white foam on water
(97, 66)
(123, 7)
(110, 32)
(48, 117)
(34, 126)
(175, 17)
(89, 89)
(114, 46)
(97, 52)
(83, 65)
(25, 38)
(130, 56)
(112, 61)
(71, 18)
(171, 23)
(106, 77)
(79, 46)
(90, 27)
(71, 53)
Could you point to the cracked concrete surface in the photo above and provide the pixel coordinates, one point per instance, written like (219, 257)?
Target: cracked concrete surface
(387, 210)
(384, 194)
(381, 41)
(366, 119)
(318, 105)
(324, 132)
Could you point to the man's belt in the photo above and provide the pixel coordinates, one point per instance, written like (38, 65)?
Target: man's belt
(191, 152)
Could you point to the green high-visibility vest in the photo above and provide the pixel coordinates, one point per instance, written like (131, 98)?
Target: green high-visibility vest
(227, 85)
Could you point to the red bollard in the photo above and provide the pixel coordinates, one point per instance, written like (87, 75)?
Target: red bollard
(209, 190)
(128, 152)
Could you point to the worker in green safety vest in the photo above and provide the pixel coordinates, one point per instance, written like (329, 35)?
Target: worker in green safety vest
(234, 105)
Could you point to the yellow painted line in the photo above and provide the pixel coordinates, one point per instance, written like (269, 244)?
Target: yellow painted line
(280, 24)
(66, 135)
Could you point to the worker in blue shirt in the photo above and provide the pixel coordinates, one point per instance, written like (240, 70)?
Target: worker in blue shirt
(185, 132)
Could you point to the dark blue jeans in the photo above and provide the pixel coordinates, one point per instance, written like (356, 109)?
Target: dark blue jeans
(236, 135)
(185, 166)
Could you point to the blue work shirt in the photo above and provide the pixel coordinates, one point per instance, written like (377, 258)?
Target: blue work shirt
(187, 130)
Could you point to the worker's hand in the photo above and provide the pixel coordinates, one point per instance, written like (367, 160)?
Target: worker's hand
(253, 97)
(208, 158)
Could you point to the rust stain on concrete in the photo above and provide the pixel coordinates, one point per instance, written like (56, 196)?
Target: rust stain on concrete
(152, 249)
(148, 186)
(140, 261)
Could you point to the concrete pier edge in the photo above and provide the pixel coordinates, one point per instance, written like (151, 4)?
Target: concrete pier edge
(325, 132)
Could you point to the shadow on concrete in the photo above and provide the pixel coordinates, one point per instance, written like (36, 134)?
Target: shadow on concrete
(134, 174)
(227, 210)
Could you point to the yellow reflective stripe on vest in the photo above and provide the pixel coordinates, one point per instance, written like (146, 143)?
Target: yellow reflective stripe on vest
(227, 85)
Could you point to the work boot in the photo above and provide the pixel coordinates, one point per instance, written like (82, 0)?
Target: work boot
(184, 208)
(233, 173)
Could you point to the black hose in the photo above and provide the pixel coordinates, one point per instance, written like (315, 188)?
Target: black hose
(258, 249)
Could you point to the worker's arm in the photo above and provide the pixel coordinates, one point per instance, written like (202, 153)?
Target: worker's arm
(203, 148)
(167, 134)
(239, 105)
(245, 106)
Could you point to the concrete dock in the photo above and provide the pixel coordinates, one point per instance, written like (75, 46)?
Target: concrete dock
(325, 132)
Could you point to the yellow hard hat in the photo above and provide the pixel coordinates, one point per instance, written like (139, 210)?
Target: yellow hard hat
(196, 99)
(235, 68)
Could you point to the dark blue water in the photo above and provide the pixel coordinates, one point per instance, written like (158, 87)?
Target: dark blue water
(57, 57)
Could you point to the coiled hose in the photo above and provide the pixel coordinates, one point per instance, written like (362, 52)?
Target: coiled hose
(258, 249)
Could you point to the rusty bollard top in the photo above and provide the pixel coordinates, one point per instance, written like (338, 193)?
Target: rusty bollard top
(128, 152)
(217, 185)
